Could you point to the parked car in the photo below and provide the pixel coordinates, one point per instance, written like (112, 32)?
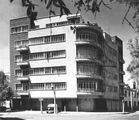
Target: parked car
(50, 108)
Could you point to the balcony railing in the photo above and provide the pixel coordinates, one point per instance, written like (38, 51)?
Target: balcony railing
(89, 75)
(82, 91)
(22, 48)
(84, 41)
(22, 92)
(23, 78)
(23, 63)
(87, 58)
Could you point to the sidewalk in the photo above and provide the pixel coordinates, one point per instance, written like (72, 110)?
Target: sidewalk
(37, 115)
(64, 113)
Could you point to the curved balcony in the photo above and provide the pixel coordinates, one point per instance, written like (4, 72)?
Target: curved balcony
(89, 92)
(89, 42)
(89, 75)
(90, 59)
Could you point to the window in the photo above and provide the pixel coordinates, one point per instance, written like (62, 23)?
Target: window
(18, 58)
(57, 38)
(36, 56)
(37, 71)
(37, 86)
(48, 70)
(87, 52)
(125, 93)
(24, 28)
(86, 36)
(19, 87)
(48, 55)
(58, 70)
(35, 41)
(22, 43)
(48, 39)
(115, 89)
(60, 86)
(21, 73)
(57, 54)
(87, 86)
(88, 68)
(18, 73)
(21, 58)
(19, 29)
(48, 86)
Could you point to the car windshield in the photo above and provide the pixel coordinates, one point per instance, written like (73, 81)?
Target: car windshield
(50, 108)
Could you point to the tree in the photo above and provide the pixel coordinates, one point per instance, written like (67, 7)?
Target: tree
(6, 92)
(87, 5)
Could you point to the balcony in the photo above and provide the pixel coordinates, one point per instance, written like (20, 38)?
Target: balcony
(23, 63)
(23, 78)
(88, 75)
(90, 92)
(86, 58)
(89, 42)
(22, 92)
(22, 48)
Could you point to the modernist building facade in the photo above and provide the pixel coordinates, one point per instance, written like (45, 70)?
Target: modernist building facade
(79, 60)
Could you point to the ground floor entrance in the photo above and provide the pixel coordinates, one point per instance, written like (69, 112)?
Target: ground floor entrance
(73, 104)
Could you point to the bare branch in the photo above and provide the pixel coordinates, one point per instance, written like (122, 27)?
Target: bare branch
(126, 14)
(130, 24)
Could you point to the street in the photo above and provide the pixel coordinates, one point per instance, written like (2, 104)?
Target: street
(36, 115)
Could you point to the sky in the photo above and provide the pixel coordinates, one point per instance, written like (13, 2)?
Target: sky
(109, 20)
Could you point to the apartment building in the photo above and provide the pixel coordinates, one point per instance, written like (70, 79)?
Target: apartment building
(78, 60)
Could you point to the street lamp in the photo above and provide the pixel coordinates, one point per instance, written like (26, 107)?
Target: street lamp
(55, 106)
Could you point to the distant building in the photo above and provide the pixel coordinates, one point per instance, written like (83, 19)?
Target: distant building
(84, 64)
(131, 98)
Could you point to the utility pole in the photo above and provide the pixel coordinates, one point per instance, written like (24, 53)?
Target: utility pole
(123, 105)
(55, 106)
(41, 108)
(131, 99)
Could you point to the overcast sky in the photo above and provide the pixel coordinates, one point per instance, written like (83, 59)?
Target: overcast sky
(109, 20)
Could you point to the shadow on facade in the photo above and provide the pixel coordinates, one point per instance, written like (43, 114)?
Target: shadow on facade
(11, 118)
(100, 105)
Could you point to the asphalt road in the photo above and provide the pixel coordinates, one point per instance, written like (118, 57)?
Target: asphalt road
(36, 115)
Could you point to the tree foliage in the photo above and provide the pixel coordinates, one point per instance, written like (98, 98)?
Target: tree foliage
(5, 91)
(87, 5)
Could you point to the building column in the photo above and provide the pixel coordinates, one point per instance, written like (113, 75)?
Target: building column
(77, 107)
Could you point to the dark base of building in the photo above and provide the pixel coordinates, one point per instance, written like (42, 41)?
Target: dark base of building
(79, 104)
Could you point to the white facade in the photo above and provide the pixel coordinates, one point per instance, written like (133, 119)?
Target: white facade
(70, 55)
